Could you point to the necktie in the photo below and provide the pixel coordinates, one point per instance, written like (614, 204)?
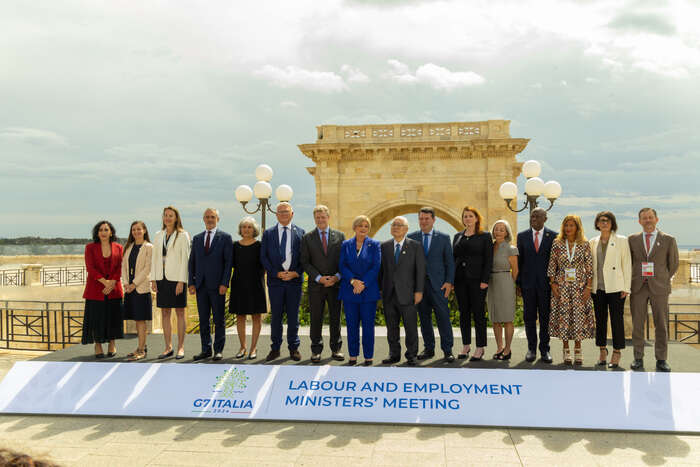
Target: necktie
(283, 245)
(425, 243)
(324, 242)
(207, 243)
(648, 238)
(537, 242)
(397, 253)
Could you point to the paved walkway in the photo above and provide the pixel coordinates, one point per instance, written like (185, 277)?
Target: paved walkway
(132, 442)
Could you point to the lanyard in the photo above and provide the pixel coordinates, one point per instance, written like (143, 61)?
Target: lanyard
(570, 253)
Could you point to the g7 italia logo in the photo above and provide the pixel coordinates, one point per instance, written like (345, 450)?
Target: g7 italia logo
(226, 395)
(232, 381)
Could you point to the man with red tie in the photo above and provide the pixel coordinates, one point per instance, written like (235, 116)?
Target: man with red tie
(654, 262)
(210, 264)
(534, 247)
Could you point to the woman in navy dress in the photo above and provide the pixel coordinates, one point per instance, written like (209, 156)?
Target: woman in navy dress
(360, 261)
(136, 275)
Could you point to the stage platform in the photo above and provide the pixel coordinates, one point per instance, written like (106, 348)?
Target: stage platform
(682, 357)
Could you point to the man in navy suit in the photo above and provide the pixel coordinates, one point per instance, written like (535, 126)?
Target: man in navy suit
(440, 271)
(210, 273)
(534, 248)
(279, 254)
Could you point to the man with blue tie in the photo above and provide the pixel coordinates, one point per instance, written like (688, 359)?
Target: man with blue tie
(440, 270)
(210, 266)
(534, 248)
(279, 254)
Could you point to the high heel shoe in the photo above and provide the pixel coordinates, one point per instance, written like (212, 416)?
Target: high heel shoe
(603, 361)
(612, 363)
(253, 355)
(464, 355)
(505, 357)
(479, 358)
(567, 356)
(241, 353)
(498, 355)
(578, 357)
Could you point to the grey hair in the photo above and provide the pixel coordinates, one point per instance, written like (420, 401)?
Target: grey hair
(214, 210)
(250, 221)
(509, 231)
(405, 221)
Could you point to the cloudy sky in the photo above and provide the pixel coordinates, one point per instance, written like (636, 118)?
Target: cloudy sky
(116, 109)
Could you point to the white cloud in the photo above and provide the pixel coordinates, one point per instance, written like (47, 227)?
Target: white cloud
(354, 75)
(288, 104)
(435, 76)
(294, 77)
(31, 136)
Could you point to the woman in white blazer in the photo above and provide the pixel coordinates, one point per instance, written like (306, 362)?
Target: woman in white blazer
(136, 276)
(171, 253)
(612, 278)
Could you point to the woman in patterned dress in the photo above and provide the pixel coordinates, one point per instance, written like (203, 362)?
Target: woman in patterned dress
(570, 274)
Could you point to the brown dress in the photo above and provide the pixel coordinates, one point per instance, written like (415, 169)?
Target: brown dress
(571, 318)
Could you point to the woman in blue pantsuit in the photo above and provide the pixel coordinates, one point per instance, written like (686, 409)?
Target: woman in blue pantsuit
(360, 260)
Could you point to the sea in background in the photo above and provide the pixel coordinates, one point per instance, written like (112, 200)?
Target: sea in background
(39, 249)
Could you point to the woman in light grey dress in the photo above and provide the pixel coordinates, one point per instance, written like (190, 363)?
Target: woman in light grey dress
(501, 290)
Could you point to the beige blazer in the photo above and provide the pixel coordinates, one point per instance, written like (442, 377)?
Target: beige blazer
(664, 255)
(175, 262)
(142, 272)
(617, 268)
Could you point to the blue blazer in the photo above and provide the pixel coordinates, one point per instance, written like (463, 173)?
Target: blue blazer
(271, 258)
(532, 266)
(364, 267)
(439, 263)
(213, 269)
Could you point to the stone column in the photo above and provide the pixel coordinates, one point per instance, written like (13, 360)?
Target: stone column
(32, 274)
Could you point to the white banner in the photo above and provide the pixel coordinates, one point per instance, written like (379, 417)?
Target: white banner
(501, 397)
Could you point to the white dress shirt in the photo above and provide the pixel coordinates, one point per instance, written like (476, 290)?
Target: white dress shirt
(288, 250)
(211, 237)
(541, 232)
(652, 240)
(399, 243)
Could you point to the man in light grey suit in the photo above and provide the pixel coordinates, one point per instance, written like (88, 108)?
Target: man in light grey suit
(402, 278)
(654, 262)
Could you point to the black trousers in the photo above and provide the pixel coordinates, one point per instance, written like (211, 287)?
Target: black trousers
(317, 301)
(471, 299)
(615, 305)
(536, 305)
(210, 302)
(393, 313)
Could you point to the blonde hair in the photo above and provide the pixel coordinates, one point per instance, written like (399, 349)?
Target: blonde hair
(250, 221)
(321, 208)
(360, 219)
(509, 231)
(580, 238)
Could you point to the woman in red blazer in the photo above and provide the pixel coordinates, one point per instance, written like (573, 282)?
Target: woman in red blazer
(102, 320)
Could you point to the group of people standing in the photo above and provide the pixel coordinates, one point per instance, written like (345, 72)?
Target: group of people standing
(568, 284)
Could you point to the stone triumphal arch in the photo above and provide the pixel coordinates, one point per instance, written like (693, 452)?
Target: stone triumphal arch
(387, 170)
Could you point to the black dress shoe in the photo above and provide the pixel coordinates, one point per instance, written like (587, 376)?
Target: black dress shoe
(338, 356)
(661, 365)
(426, 354)
(449, 357)
(390, 360)
(200, 356)
(368, 362)
(295, 355)
(531, 356)
(637, 364)
(316, 358)
(411, 362)
(273, 355)
(351, 363)
(218, 356)
(547, 357)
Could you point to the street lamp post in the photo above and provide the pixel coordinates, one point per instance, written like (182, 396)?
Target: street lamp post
(534, 187)
(262, 190)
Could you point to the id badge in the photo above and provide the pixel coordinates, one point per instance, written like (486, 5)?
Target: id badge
(570, 274)
(647, 269)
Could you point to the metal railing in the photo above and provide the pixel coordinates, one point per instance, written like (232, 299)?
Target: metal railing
(686, 322)
(40, 325)
(11, 277)
(54, 276)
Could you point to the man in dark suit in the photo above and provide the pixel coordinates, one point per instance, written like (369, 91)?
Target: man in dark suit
(279, 254)
(402, 278)
(210, 265)
(654, 262)
(320, 255)
(440, 269)
(534, 248)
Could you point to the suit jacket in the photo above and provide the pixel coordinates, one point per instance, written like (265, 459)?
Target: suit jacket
(473, 257)
(406, 277)
(175, 269)
(214, 268)
(532, 265)
(95, 266)
(617, 267)
(364, 267)
(664, 255)
(272, 259)
(439, 263)
(315, 262)
(142, 271)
